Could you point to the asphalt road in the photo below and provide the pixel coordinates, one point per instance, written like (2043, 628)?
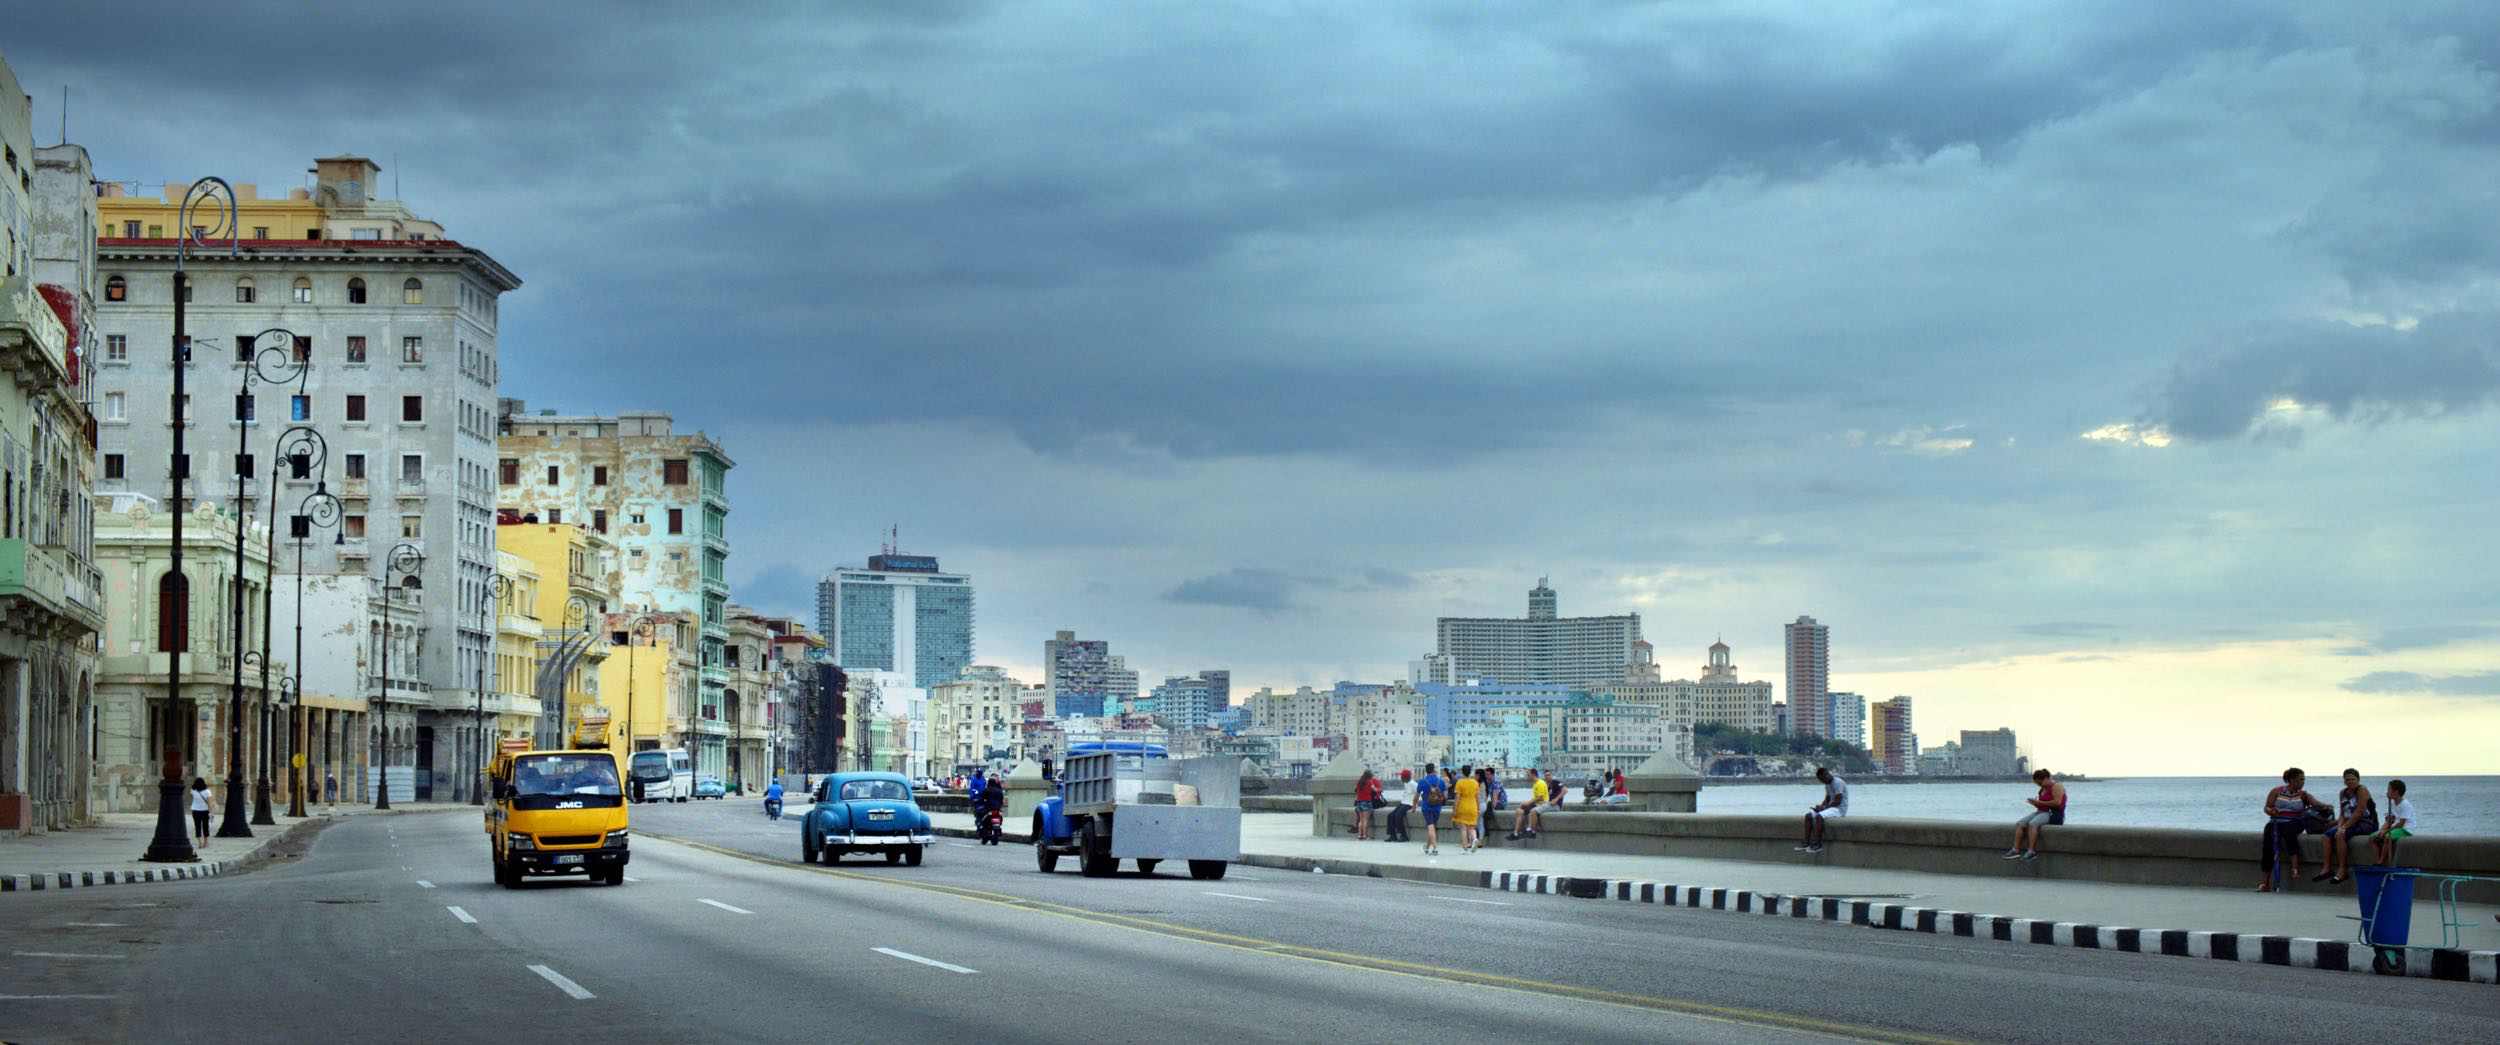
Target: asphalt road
(392, 926)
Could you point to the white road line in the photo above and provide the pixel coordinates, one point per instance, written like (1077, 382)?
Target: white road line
(629, 877)
(57, 997)
(1238, 896)
(462, 915)
(425, 883)
(723, 906)
(562, 983)
(930, 962)
(99, 925)
(61, 954)
(958, 845)
(1462, 899)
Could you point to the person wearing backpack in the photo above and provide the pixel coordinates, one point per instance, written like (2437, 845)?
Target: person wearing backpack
(1430, 793)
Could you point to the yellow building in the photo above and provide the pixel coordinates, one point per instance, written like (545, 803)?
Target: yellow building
(302, 214)
(648, 677)
(518, 631)
(569, 602)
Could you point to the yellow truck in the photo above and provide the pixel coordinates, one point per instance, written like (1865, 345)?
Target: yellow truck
(556, 813)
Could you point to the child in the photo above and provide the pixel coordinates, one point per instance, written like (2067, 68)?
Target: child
(2395, 827)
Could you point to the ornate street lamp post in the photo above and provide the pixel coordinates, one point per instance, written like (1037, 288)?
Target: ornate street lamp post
(498, 588)
(289, 369)
(293, 361)
(408, 559)
(307, 453)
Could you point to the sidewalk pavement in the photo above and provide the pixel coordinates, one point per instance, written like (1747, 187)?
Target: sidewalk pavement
(1284, 839)
(107, 853)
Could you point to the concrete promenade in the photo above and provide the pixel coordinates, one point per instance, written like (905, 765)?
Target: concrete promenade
(1288, 836)
(108, 851)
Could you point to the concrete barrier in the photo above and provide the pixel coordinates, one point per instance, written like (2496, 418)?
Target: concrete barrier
(2131, 855)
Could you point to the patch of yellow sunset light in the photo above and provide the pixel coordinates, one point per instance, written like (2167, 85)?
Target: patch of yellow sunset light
(2126, 434)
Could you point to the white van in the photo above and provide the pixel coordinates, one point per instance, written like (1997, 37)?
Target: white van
(663, 776)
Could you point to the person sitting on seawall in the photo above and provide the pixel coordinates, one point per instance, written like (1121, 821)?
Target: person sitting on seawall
(2356, 813)
(1618, 790)
(2047, 809)
(2287, 816)
(1835, 803)
(2398, 824)
(1395, 798)
(1529, 814)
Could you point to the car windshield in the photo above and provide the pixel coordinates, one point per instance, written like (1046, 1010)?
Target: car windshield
(890, 790)
(541, 775)
(651, 765)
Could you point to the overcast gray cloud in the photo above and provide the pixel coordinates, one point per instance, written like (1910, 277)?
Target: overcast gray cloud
(2484, 684)
(1255, 337)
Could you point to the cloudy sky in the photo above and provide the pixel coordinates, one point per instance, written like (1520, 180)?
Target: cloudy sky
(2121, 372)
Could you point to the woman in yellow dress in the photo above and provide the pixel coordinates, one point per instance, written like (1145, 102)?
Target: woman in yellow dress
(1464, 809)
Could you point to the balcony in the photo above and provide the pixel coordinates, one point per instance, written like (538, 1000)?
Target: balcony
(31, 338)
(54, 582)
(408, 489)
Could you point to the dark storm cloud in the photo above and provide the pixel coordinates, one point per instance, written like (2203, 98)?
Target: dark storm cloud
(2450, 362)
(2484, 684)
(1266, 591)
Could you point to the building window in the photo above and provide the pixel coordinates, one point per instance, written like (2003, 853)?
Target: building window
(412, 527)
(412, 408)
(130, 230)
(554, 475)
(186, 291)
(555, 516)
(352, 527)
(303, 291)
(260, 232)
(355, 408)
(355, 291)
(182, 466)
(412, 350)
(508, 471)
(173, 613)
(355, 466)
(156, 232)
(676, 520)
(312, 233)
(243, 291)
(114, 466)
(412, 292)
(116, 289)
(117, 348)
(599, 519)
(114, 405)
(243, 466)
(355, 349)
(299, 408)
(243, 407)
(186, 408)
(673, 472)
(599, 475)
(411, 469)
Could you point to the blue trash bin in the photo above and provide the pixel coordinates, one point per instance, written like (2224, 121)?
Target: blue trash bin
(2386, 904)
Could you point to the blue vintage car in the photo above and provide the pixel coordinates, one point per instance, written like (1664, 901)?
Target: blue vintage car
(865, 812)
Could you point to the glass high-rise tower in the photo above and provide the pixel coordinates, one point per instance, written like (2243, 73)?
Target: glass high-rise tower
(898, 613)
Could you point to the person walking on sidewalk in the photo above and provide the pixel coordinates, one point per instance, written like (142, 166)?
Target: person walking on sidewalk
(2398, 825)
(2356, 813)
(1430, 792)
(200, 807)
(1467, 807)
(2287, 817)
(2047, 809)
(1366, 799)
(1835, 804)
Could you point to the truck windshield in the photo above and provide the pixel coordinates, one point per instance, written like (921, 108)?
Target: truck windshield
(545, 775)
(651, 765)
(886, 790)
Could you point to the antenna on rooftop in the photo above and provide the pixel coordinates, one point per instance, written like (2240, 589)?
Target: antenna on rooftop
(64, 114)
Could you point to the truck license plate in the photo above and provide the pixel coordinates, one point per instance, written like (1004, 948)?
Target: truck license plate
(569, 858)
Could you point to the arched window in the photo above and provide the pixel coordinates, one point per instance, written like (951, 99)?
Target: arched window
(412, 584)
(412, 292)
(243, 291)
(173, 613)
(116, 289)
(355, 292)
(303, 290)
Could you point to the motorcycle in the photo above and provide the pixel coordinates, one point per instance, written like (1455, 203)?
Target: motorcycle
(992, 826)
(772, 808)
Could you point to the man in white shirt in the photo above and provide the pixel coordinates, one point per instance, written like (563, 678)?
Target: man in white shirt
(1835, 803)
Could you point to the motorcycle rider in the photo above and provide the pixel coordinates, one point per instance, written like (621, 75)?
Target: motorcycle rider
(772, 800)
(988, 806)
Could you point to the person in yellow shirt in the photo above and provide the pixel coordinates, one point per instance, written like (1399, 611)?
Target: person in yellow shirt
(1463, 808)
(1531, 814)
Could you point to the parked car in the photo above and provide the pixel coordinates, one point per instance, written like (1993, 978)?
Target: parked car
(865, 812)
(709, 787)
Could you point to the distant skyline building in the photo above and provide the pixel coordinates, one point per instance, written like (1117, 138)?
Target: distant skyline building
(899, 613)
(1847, 715)
(1449, 706)
(1722, 697)
(1191, 701)
(1890, 736)
(1540, 647)
(1083, 676)
(1810, 676)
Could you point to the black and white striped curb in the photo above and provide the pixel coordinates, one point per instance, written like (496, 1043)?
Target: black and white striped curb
(25, 883)
(2443, 963)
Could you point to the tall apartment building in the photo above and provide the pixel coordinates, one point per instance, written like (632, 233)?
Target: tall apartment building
(51, 594)
(1719, 696)
(1540, 647)
(661, 498)
(1083, 677)
(898, 613)
(1890, 736)
(974, 718)
(395, 328)
(1190, 701)
(1386, 727)
(1847, 716)
(1810, 676)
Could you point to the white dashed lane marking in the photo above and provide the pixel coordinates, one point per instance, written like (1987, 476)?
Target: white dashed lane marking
(562, 982)
(462, 915)
(723, 906)
(425, 883)
(1238, 896)
(930, 962)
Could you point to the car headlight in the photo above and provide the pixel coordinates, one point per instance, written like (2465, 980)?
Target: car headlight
(519, 841)
(616, 838)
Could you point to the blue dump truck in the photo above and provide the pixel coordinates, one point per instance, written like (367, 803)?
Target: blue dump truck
(1132, 801)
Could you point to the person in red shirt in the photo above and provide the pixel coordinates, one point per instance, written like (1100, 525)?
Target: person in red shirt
(1366, 799)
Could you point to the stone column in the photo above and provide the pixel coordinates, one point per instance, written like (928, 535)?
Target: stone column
(1664, 784)
(1025, 791)
(1333, 787)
